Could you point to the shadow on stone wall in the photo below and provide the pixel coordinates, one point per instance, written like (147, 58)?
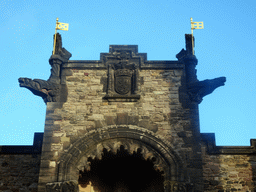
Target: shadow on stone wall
(19, 166)
(212, 169)
(184, 133)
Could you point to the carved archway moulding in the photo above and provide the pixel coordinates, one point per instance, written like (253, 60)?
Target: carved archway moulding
(112, 138)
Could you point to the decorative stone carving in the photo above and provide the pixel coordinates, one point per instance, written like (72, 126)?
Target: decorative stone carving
(66, 186)
(198, 90)
(122, 82)
(54, 89)
(193, 90)
(131, 146)
(131, 138)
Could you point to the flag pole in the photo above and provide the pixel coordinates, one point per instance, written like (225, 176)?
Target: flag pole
(191, 20)
(54, 44)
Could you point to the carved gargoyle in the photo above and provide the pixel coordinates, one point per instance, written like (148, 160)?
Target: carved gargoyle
(192, 89)
(49, 90)
(198, 90)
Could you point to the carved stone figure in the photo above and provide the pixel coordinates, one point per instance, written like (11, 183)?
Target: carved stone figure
(51, 89)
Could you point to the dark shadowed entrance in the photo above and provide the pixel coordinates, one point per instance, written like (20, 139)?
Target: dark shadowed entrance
(122, 172)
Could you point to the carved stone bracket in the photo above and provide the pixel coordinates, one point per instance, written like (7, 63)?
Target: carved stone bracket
(66, 186)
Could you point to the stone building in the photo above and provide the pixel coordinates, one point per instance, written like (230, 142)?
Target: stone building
(124, 123)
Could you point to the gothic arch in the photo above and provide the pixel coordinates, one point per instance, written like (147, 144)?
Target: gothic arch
(112, 138)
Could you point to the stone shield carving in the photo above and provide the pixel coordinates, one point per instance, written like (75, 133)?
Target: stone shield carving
(123, 81)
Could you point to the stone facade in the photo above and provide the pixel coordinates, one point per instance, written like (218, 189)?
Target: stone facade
(229, 173)
(19, 172)
(143, 112)
(228, 168)
(19, 166)
(114, 122)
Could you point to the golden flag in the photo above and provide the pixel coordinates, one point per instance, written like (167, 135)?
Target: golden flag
(197, 25)
(59, 26)
(62, 26)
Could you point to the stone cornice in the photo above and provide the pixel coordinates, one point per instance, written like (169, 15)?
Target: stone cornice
(98, 64)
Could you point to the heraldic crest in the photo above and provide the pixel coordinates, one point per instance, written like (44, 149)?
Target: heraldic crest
(123, 81)
(122, 77)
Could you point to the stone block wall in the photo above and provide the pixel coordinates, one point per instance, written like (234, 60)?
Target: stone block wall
(20, 165)
(158, 110)
(227, 169)
(86, 110)
(228, 173)
(19, 172)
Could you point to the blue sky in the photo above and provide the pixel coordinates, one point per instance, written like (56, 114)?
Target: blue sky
(225, 47)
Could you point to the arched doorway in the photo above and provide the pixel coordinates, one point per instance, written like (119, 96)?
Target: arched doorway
(91, 147)
(122, 172)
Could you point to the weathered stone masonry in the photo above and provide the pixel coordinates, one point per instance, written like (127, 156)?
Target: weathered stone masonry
(126, 106)
(228, 168)
(19, 166)
(92, 108)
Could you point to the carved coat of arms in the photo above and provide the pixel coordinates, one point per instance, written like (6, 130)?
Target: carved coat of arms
(122, 77)
(123, 81)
